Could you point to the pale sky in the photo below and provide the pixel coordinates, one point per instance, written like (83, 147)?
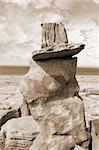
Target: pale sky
(20, 31)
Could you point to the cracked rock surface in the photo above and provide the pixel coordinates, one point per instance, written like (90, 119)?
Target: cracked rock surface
(50, 91)
(19, 133)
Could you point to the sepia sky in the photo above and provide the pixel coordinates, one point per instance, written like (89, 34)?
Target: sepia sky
(20, 31)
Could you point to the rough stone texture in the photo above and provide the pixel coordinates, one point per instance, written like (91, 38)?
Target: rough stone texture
(50, 92)
(1, 141)
(53, 142)
(61, 121)
(95, 134)
(55, 43)
(24, 109)
(77, 147)
(91, 103)
(89, 91)
(10, 99)
(49, 80)
(5, 115)
(9, 108)
(58, 51)
(89, 85)
(20, 133)
(53, 33)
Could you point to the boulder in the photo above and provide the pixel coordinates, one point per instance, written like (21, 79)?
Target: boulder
(61, 119)
(20, 133)
(49, 80)
(9, 108)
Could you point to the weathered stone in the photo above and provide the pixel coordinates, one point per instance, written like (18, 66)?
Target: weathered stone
(50, 91)
(9, 108)
(91, 103)
(20, 133)
(86, 144)
(55, 43)
(95, 134)
(5, 115)
(49, 80)
(52, 142)
(58, 51)
(77, 147)
(1, 141)
(24, 109)
(53, 33)
(62, 117)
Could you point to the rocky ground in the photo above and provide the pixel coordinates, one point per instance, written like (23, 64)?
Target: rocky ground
(89, 88)
(11, 100)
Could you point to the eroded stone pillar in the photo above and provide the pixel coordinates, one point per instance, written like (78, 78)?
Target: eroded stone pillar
(51, 91)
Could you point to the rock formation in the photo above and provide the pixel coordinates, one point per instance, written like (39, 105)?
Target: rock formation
(50, 92)
(51, 96)
(53, 33)
(18, 133)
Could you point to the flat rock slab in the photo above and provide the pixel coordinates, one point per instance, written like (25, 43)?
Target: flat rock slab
(58, 51)
(20, 133)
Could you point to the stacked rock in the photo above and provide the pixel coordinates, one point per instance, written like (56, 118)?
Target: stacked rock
(50, 92)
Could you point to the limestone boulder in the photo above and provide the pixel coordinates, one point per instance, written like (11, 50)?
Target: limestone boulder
(61, 119)
(10, 108)
(20, 133)
(47, 80)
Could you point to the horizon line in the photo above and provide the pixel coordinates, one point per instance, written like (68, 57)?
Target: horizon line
(21, 70)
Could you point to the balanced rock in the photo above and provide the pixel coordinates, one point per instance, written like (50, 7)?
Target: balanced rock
(20, 133)
(50, 92)
(55, 43)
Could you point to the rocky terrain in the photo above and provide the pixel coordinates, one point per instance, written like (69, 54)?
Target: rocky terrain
(47, 110)
(10, 95)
